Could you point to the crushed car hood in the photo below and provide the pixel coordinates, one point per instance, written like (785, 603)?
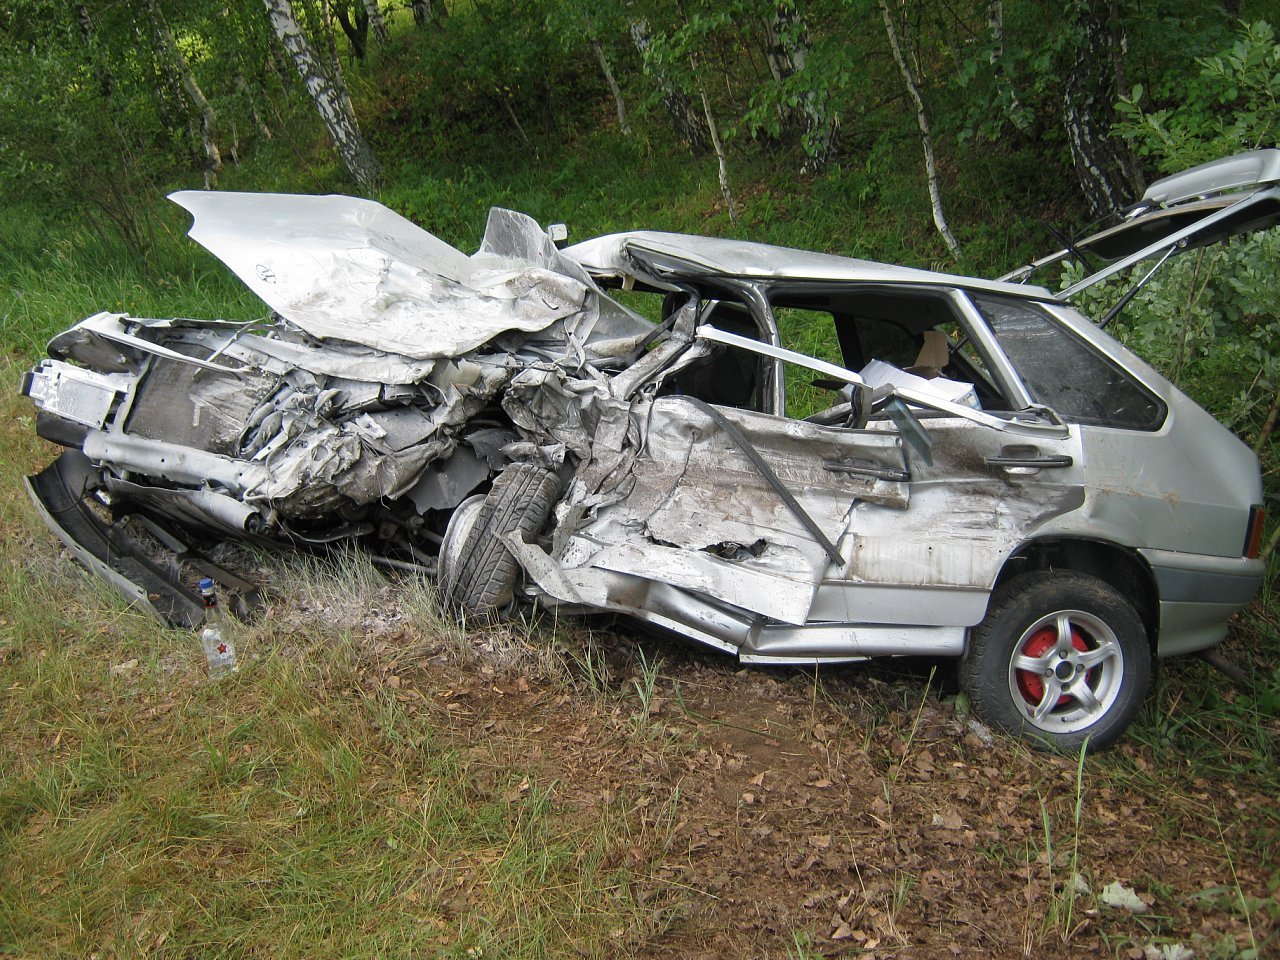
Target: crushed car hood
(350, 269)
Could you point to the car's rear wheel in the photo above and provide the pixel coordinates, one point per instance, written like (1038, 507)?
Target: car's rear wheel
(1061, 659)
(478, 574)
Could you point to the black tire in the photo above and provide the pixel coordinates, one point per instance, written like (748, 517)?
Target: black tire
(480, 582)
(1021, 679)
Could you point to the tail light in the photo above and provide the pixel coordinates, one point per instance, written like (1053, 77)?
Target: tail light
(1253, 538)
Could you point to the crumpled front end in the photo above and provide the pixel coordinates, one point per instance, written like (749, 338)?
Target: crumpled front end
(368, 406)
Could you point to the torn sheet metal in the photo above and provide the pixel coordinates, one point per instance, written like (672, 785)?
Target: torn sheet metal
(684, 504)
(399, 378)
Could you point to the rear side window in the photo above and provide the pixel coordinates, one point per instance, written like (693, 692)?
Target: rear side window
(1065, 373)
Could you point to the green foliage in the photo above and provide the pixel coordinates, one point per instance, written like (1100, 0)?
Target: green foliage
(94, 119)
(1232, 104)
(495, 78)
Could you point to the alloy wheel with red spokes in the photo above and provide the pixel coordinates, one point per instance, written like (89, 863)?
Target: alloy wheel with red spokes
(1066, 671)
(1062, 659)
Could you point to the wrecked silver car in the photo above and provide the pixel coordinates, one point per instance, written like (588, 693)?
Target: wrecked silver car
(975, 471)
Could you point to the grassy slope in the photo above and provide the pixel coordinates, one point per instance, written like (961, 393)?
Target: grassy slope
(303, 808)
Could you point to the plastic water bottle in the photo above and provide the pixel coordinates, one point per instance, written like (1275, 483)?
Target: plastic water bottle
(216, 638)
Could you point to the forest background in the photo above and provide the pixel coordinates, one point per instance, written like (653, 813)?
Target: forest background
(961, 135)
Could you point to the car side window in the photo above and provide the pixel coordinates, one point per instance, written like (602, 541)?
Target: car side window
(1065, 373)
(812, 333)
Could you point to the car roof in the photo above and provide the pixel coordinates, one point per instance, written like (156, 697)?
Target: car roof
(682, 256)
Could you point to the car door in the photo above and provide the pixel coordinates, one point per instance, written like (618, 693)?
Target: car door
(982, 482)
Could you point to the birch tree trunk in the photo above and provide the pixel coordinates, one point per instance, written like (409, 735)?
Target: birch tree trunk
(1017, 114)
(787, 51)
(684, 118)
(428, 11)
(1106, 170)
(106, 82)
(208, 118)
(357, 33)
(381, 35)
(612, 81)
(329, 98)
(926, 138)
(721, 162)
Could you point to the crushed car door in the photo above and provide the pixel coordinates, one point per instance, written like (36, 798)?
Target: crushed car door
(767, 513)
(985, 468)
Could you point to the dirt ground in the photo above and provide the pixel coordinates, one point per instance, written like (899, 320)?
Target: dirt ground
(863, 813)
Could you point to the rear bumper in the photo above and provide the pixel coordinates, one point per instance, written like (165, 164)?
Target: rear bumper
(1198, 595)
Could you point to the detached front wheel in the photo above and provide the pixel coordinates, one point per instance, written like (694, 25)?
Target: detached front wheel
(478, 574)
(1060, 658)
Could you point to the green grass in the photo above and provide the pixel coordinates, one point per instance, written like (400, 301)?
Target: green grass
(54, 275)
(295, 809)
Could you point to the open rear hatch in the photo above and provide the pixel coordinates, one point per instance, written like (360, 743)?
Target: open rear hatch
(1195, 208)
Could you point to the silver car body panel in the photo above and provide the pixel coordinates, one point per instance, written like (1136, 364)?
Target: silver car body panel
(671, 256)
(346, 268)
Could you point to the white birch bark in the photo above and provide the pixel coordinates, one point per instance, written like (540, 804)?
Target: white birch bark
(612, 81)
(208, 118)
(381, 35)
(787, 53)
(995, 24)
(613, 85)
(329, 98)
(684, 118)
(717, 144)
(1105, 167)
(926, 138)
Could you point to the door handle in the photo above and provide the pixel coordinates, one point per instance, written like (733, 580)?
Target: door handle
(1053, 460)
(868, 469)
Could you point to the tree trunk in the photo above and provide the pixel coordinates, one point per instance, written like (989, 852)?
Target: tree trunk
(926, 138)
(787, 51)
(612, 81)
(684, 118)
(208, 119)
(515, 122)
(722, 163)
(381, 35)
(329, 98)
(357, 33)
(428, 11)
(995, 25)
(1106, 170)
(242, 88)
(106, 82)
